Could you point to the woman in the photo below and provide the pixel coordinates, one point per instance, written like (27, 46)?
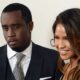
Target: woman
(66, 30)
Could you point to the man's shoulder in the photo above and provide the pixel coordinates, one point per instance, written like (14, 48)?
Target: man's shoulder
(3, 47)
(41, 47)
(45, 51)
(3, 50)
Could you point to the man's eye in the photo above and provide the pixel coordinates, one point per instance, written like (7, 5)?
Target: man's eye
(16, 26)
(5, 28)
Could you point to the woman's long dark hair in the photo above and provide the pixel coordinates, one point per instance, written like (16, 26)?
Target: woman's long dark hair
(70, 19)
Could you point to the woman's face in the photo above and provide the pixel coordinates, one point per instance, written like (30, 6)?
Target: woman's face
(62, 44)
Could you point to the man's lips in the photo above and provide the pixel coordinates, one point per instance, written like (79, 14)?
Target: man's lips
(12, 42)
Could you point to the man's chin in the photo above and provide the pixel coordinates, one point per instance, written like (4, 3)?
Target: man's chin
(15, 48)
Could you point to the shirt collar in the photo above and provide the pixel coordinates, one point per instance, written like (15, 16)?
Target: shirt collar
(27, 52)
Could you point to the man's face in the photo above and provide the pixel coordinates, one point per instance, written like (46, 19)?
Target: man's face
(16, 32)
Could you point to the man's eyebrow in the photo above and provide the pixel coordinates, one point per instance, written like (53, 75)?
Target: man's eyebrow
(16, 24)
(4, 25)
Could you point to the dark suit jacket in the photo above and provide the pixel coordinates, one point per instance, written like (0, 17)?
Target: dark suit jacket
(43, 64)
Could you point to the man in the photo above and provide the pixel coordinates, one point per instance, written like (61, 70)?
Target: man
(38, 62)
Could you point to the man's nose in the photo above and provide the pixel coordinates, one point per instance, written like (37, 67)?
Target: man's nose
(11, 32)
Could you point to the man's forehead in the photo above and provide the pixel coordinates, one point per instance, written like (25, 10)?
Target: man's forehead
(12, 14)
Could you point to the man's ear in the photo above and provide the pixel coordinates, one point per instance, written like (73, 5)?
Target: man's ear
(30, 26)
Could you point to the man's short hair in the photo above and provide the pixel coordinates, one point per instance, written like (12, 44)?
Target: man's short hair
(26, 13)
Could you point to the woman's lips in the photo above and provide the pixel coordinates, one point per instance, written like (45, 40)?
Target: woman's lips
(63, 52)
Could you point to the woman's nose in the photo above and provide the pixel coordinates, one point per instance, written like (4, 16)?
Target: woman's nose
(61, 44)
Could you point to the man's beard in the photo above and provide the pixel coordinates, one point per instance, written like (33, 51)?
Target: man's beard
(17, 49)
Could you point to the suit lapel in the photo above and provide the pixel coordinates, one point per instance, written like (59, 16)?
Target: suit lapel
(3, 58)
(35, 65)
(9, 74)
(5, 70)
